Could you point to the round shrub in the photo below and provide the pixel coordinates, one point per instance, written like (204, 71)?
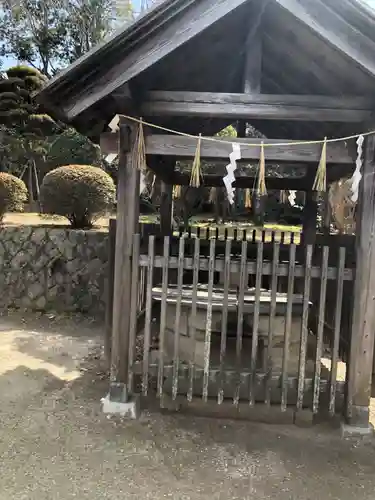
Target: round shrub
(81, 193)
(13, 194)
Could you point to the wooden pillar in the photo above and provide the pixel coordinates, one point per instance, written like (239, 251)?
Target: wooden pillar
(363, 317)
(126, 226)
(109, 290)
(166, 207)
(310, 212)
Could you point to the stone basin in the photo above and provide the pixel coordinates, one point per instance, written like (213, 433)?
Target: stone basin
(192, 328)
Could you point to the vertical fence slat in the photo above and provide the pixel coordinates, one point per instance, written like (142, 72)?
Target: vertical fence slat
(110, 288)
(194, 313)
(288, 326)
(240, 311)
(235, 234)
(337, 326)
(268, 363)
(176, 353)
(254, 344)
(254, 236)
(224, 319)
(133, 308)
(207, 338)
(208, 233)
(163, 315)
(304, 327)
(320, 331)
(148, 318)
(282, 237)
(198, 232)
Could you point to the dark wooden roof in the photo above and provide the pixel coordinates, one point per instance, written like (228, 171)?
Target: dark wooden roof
(316, 47)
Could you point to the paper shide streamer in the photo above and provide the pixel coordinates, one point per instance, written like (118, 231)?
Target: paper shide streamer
(231, 168)
(357, 176)
(292, 198)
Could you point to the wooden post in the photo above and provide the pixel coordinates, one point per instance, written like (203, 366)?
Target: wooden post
(363, 318)
(126, 227)
(110, 289)
(166, 207)
(310, 211)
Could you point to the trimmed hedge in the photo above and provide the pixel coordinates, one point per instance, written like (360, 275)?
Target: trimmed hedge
(13, 194)
(81, 193)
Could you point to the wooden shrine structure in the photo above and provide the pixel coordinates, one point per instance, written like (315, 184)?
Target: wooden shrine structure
(296, 70)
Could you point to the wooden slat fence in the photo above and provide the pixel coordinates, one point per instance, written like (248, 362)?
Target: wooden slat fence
(301, 380)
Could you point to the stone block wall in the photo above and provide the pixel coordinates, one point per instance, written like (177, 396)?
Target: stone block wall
(47, 268)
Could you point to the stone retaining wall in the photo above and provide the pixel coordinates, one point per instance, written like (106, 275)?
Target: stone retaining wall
(53, 268)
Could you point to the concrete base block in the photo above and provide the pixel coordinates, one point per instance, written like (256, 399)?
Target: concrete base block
(131, 409)
(357, 432)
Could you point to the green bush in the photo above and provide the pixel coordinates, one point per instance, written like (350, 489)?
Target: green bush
(13, 194)
(81, 193)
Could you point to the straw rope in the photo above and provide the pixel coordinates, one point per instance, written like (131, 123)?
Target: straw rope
(265, 144)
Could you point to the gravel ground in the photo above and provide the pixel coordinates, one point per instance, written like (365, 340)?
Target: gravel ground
(56, 444)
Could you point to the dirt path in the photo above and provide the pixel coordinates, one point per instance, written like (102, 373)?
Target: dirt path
(56, 444)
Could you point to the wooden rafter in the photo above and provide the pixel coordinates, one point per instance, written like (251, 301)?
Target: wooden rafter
(178, 31)
(335, 30)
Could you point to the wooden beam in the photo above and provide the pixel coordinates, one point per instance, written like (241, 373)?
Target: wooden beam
(292, 183)
(126, 227)
(363, 319)
(161, 42)
(332, 28)
(258, 106)
(184, 147)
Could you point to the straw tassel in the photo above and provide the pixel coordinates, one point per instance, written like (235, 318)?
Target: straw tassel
(196, 174)
(176, 193)
(140, 148)
(247, 198)
(320, 182)
(261, 189)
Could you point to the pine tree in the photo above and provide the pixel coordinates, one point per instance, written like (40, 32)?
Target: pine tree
(24, 127)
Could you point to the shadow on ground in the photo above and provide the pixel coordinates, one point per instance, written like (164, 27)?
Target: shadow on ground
(56, 444)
